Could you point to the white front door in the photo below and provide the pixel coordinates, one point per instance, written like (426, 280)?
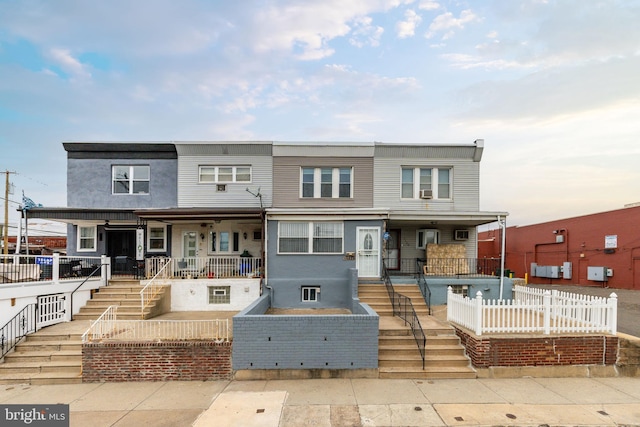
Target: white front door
(190, 246)
(368, 254)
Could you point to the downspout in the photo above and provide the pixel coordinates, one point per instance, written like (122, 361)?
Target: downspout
(503, 224)
(264, 255)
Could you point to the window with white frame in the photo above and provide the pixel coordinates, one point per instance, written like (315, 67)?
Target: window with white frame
(219, 294)
(425, 236)
(326, 182)
(156, 238)
(310, 293)
(87, 238)
(425, 183)
(130, 179)
(224, 241)
(310, 237)
(224, 174)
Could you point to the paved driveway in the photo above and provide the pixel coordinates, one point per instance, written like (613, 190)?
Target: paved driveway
(628, 304)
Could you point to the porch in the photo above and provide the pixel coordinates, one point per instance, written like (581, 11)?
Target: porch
(204, 267)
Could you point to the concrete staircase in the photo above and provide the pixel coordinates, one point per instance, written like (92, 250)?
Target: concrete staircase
(50, 356)
(124, 293)
(398, 355)
(53, 355)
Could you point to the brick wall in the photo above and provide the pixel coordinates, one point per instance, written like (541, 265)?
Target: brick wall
(629, 356)
(156, 361)
(486, 352)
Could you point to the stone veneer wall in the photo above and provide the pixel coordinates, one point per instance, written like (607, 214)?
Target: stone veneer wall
(156, 361)
(511, 351)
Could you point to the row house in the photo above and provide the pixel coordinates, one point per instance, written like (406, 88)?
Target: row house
(300, 217)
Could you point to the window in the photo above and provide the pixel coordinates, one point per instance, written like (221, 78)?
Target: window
(224, 241)
(418, 181)
(219, 294)
(130, 179)
(86, 238)
(310, 237)
(224, 174)
(336, 183)
(460, 290)
(425, 236)
(156, 238)
(310, 293)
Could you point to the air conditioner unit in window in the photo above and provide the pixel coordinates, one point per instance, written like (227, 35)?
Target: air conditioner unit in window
(426, 194)
(461, 235)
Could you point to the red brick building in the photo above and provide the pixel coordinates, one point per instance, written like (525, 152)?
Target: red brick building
(601, 249)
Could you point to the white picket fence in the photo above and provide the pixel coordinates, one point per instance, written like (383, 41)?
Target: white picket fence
(534, 310)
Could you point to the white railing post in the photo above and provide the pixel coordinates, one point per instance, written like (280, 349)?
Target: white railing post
(450, 311)
(478, 319)
(105, 270)
(613, 312)
(55, 268)
(546, 303)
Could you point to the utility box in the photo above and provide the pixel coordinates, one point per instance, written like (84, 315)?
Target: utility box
(566, 270)
(534, 266)
(597, 274)
(553, 271)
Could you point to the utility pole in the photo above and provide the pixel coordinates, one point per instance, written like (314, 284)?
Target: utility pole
(5, 248)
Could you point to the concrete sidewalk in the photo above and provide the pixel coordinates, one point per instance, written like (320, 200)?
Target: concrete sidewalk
(344, 402)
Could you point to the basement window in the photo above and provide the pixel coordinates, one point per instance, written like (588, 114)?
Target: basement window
(219, 294)
(460, 290)
(310, 293)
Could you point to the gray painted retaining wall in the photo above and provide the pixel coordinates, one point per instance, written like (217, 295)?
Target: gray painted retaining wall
(490, 288)
(304, 342)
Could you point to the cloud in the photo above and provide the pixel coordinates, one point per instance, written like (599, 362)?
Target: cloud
(407, 28)
(429, 5)
(364, 33)
(69, 64)
(446, 23)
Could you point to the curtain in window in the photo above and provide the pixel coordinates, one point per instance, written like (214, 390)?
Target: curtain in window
(327, 237)
(294, 237)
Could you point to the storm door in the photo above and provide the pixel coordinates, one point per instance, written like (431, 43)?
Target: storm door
(368, 254)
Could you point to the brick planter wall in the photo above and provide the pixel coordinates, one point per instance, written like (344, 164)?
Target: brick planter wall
(512, 351)
(156, 361)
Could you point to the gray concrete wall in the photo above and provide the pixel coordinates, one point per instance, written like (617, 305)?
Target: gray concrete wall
(304, 342)
(287, 273)
(490, 288)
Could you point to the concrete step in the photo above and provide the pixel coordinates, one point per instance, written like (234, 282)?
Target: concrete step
(412, 348)
(38, 367)
(431, 360)
(44, 356)
(427, 373)
(42, 379)
(121, 316)
(48, 345)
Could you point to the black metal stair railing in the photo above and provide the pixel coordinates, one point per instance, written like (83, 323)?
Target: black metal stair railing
(403, 308)
(422, 283)
(22, 324)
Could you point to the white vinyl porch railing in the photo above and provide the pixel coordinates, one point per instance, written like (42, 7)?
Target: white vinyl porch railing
(107, 327)
(204, 267)
(154, 286)
(102, 326)
(534, 311)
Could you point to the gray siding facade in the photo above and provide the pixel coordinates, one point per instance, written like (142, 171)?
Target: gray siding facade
(465, 179)
(192, 193)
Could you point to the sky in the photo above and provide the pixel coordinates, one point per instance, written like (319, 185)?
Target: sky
(552, 87)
